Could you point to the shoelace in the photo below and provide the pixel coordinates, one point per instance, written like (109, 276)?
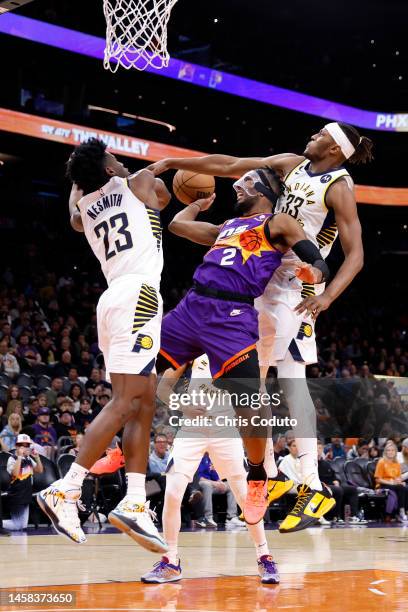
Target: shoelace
(303, 494)
(257, 494)
(159, 567)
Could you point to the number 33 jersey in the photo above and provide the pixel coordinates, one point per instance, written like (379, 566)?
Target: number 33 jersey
(304, 199)
(124, 233)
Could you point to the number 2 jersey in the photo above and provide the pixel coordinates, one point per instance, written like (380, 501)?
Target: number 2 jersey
(124, 233)
(242, 259)
(304, 199)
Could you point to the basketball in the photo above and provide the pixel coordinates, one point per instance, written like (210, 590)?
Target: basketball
(191, 186)
(250, 240)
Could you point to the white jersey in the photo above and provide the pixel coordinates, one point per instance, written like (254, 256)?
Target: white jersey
(304, 199)
(124, 233)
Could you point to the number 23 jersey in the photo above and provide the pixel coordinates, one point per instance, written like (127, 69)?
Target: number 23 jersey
(124, 233)
(304, 199)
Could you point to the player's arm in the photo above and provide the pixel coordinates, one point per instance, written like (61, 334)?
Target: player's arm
(286, 233)
(227, 165)
(165, 388)
(74, 214)
(341, 198)
(184, 224)
(150, 190)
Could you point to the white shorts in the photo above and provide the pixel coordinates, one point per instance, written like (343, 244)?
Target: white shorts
(281, 329)
(226, 454)
(129, 315)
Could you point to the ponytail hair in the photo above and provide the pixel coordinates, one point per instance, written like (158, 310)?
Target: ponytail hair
(363, 145)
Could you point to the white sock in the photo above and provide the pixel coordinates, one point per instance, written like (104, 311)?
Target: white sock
(307, 453)
(176, 485)
(136, 487)
(269, 461)
(74, 478)
(261, 549)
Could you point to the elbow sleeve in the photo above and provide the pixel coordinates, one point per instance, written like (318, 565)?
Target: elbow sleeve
(308, 252)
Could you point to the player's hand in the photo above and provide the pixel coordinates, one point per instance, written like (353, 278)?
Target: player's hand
(313, 305)
(308, 274)
(159, 167)
(204, 203)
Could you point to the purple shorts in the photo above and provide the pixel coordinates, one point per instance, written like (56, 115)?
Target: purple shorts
(225, 330)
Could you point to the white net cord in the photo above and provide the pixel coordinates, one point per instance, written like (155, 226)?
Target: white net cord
(136, 33)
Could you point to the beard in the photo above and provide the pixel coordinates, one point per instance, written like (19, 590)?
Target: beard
(244, 207)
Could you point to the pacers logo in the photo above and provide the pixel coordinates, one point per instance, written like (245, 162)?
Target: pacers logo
(143, 341)
(305, 331)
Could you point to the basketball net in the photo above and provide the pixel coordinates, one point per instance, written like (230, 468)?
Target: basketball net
(136, 33)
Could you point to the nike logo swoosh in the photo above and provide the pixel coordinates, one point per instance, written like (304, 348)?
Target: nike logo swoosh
(314, 509)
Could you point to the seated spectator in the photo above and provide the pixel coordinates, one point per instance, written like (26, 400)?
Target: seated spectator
(76, 393)
(78, 441)
(335, 449)
(73, 376)
(66, 426)
(85, 364)
(9, 434)
(45, 434)
(42, 400)
(94, 380)
(159, 456)
(13, 399)
(47, 351)
(27, 351)
(52, 393)
(388, 476)
(101, 397)
(84, 416)
(21, 466)
(8, 362)
(210, 485)
(15, 407)
(279, 446)
(373, 452)
(62, 367)
(290, 466)
(359, 450)
(33, 407)
(343, 494)
(403, 457)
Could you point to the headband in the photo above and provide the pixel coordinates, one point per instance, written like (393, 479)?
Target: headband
(341, 139)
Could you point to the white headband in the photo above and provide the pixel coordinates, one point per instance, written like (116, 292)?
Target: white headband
(340, 138)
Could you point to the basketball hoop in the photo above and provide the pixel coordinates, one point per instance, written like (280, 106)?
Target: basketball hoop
(136, 33)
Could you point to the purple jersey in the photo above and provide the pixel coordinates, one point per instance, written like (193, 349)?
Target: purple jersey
(242, 260)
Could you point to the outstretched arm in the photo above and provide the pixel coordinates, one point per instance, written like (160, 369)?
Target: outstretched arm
(184, 224)
(227, 165)
(341, 198)
(75, 216)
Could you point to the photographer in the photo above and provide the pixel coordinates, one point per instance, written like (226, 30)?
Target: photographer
(21, 466)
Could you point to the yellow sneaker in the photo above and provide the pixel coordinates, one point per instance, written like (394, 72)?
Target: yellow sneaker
(310, 506)
(279, 486)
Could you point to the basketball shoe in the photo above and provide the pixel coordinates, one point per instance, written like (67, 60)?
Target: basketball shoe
(256, 501)
(310, 506)
(268, 570)
(163, 571)
(279, 486)
(61, 507)
(137, 521)
(113, 461)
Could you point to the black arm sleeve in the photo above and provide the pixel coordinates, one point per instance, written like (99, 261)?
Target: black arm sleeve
(308, 252)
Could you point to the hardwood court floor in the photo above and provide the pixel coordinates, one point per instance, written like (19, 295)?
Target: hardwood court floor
(351, 569)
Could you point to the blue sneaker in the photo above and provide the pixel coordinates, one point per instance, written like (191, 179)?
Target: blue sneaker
(268, 570)
(163, 571)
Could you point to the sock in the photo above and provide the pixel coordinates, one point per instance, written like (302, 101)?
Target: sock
(136, 487)
(176, 485)
(261, 549)
(74, 478)
(307, 453)
(269, 461)
(256, 471)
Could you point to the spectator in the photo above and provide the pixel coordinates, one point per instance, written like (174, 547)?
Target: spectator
(66, 426)
(62, 367)
(403, 456)
(45, 434)
(84, 416)
(210, 485)
(76, 394)
(343, 494)
(388, 476)
(159, 456)
(47, 351)
(9, 434)
(290, 466)
(78, 441)
(85, 364)
(27, 351)
(13, 399)
(361, 449)
(73, 376)
(8, 362)
(335, 449)
(56, 387)
(21, 466)
(279, 446)
(94, 380)
(373, 452)
(101, 398)
(33, 407)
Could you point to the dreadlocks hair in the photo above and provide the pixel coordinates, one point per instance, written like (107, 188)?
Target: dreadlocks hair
(363, 145)
(86, 167)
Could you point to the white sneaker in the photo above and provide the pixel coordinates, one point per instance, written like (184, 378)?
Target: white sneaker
(356, 520)
(403, 518)
(324, 522)
(61, 508)
(235, 522)
(137, 521)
